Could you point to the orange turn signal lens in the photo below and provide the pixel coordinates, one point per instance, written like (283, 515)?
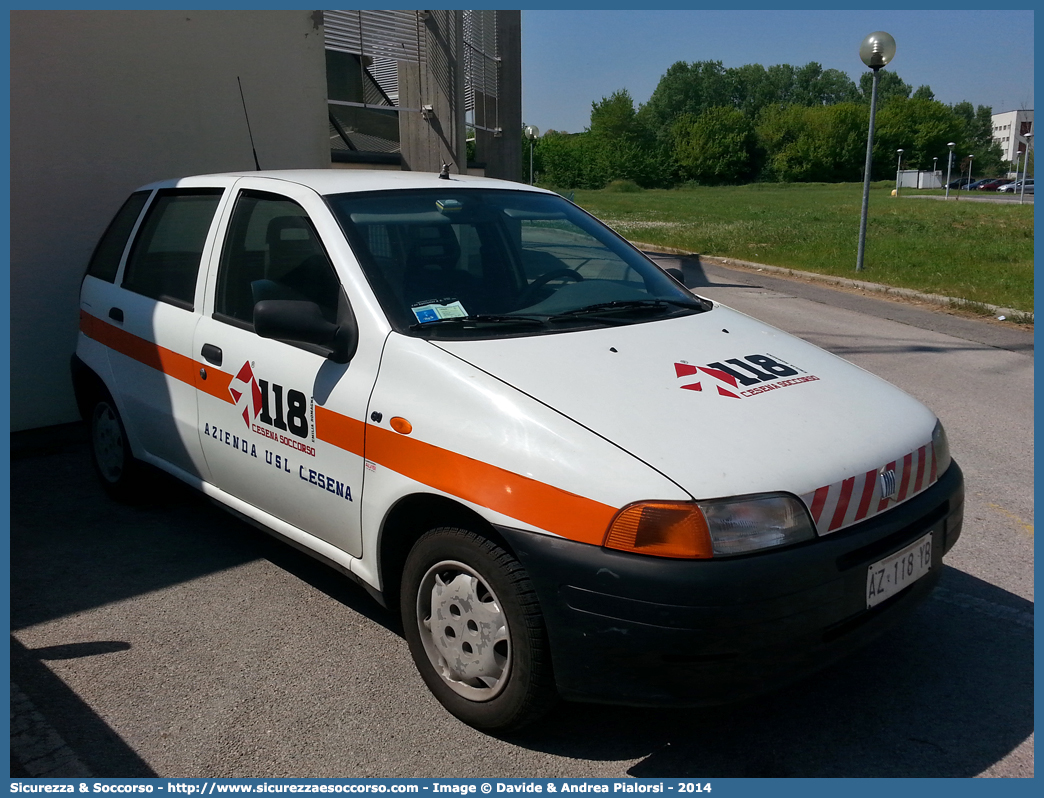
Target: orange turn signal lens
(661, 529)
(401, 425)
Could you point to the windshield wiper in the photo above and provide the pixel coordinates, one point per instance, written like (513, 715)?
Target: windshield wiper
(631, 304)
(480, 318)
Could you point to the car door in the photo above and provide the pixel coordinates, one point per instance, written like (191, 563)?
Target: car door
(148, 326)
(281, 424)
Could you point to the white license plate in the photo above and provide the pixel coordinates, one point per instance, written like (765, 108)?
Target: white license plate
(887, 577)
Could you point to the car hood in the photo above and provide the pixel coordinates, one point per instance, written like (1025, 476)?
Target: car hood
(718, 402)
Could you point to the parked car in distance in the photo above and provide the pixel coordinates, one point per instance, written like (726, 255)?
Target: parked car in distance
(570, 475)
(1016, 186)
(960, 182)
(992, 184)
(978, 184)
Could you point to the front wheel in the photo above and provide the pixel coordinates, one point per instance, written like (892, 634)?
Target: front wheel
(475, 630)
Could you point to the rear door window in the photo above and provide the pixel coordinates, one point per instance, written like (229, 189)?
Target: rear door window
(164, 260)
(105, 261)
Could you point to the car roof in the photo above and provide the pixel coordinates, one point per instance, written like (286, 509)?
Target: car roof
(340, 181)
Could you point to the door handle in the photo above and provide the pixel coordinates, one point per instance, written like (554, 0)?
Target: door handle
(116, 314)
(212, 354)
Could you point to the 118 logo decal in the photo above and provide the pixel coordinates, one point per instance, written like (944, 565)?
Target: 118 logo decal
(749, 376)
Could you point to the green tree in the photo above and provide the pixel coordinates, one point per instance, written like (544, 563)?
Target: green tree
(978, 137)
(921, 128)
(615, 116)
(889, 87)
(685, 89)
(781, 79)
(924, 93)
(616, 146)
(813, 143)
(836, 87)
(623, 147)
(715, 146)
(749, 89)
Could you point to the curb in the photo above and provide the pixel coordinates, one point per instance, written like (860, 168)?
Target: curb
(906, 293)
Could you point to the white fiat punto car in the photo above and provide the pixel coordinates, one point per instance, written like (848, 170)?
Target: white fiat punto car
(571, 476)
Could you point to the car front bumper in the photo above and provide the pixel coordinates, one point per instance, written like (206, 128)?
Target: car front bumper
(651, 631)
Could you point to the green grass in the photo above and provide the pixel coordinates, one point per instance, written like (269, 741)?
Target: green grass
(974, 251)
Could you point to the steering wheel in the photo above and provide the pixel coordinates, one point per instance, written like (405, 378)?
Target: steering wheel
(555, 274)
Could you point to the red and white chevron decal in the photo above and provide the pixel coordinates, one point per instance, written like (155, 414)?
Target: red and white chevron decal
(863, 496)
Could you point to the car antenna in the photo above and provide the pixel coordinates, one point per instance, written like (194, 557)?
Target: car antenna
(249, 131)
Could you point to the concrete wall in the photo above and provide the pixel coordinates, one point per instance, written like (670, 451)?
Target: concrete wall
(427, 142)
(503, 154)
(105, 101)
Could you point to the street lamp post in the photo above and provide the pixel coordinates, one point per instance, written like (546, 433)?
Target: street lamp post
(968, 184)
(876, 51)
(935, 161)
(949, 165)
(1025, 168)
(531, 132)
(898, 173)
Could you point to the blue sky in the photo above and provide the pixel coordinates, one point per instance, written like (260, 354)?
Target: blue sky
(573, 58)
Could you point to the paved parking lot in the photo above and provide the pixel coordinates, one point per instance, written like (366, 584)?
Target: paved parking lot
(168, 638)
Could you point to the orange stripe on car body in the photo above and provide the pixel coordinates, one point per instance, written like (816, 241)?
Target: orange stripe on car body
(171, 363)
(537, 503)
(544, 506)
(340, 431)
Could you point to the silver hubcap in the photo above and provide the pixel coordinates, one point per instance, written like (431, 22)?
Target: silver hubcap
(108, 442)
(464, 630)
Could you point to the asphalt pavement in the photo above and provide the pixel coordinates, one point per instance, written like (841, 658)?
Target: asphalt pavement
(166, 638)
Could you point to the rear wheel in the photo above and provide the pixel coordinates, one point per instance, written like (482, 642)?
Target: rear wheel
(475, 630)
(116, 467)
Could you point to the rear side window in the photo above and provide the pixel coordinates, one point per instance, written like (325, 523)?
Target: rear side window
(164, 260)
(105, 261)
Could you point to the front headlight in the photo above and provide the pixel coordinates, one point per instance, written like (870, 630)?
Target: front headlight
(751, 523)
(940, 449)
(719, 528)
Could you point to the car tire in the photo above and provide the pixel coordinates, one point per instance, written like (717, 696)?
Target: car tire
(475, 630)
(117, 469)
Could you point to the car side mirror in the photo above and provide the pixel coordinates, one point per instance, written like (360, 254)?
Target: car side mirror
(677, 274)
(300, 322)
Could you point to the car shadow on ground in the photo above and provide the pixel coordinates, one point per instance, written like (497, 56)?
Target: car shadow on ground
(947, 694)
(62, 539)
(692, 269)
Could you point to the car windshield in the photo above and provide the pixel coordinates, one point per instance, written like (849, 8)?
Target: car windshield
(459, 262)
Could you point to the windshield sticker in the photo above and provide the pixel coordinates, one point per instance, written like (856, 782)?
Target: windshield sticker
(439, 309)
(750, 376)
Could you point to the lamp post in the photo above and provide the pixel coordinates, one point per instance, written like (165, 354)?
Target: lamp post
(898, 173)
(935, 161)
(1025, 168)
(949, 164)
(876, 51)
(531, 132)
(966, 185)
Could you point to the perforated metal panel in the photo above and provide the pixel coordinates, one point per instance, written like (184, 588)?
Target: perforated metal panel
(391, 35)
